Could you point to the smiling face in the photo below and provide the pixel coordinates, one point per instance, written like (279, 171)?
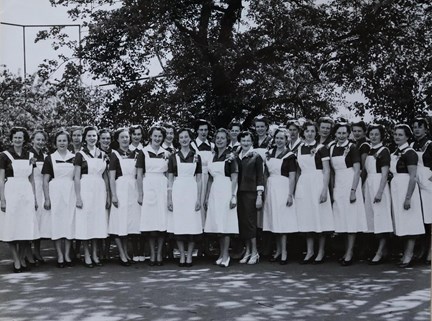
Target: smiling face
(91, 138)
(309, 133)
(124, 140)
(375, 136)
(246, 142)
(260, 128)
(39, 141)
(156, 138)
(136, 136)
(400, 137)
(169, 135)
(221, 140)
(62, 142)
(105, 141)
(341, 134)
(18, 139)
(280, 139)
(234, 132)
(184, 138)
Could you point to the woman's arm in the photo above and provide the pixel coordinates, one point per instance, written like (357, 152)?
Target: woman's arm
(77, 184)
(383, 183)
(2, 189)
(199, 191)
(113, 186)
(45, 186)
(234, 185)
(32, 182)
(105, 176)
(326, 180)
(412, 171)
(170, 186)
(292, 184)
(207, 191)
(140, 176)
(356, 179)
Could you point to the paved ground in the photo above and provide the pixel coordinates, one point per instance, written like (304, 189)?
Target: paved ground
(267, 291)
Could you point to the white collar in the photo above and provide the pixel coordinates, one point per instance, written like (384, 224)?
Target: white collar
(198, 142)
(377, 146)
(242, 155)
(309, 145)
(344, 144)
(295, 143)
(68, 155)
(132, 148)
(148, 148)
(403, 146)
(165, 145)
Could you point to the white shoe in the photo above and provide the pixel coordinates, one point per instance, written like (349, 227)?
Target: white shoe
(226, 263)
(245, 258)
(141, 258)
(135, 259)
(254, 259)
(218, 261)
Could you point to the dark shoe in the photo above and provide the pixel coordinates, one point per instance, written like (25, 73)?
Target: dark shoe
(69, 263)
(188, 264)
(406, 265)
(123, 263)
(283, 262)
(274, 258)
(380, 261)
(38, 260)
(25, 268)
(346, 263)
(152, 263)
(309, 260)
(159, 263)
(316, 262)
(88, 265)
(60, 265)
(182, 264)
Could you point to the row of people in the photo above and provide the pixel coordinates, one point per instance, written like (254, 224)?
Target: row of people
(155, 189)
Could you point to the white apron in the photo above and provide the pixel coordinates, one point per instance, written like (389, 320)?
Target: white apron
(91, 220)
(19, 223)
(184, 220)
(154, 209)
(312, 215)
(63, 199)
(348, 217)
(425, 185)
(43, 216)
(124, 219)
(206, 157)
(277, 216)
(220, 217)
(262, 152)
(378, 215)
(406, 222)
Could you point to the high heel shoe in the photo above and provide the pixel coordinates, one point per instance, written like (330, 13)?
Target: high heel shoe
(60, 265)
(307, 261)
(97, 263)
(346, 262)
(88, 265)
(406, 264)
(254, 259)
(245, 258)
(69, 263)
(226, 263)
(275, 258)
(218, 261)
(16, 270)
(124, 263)
(380, 261)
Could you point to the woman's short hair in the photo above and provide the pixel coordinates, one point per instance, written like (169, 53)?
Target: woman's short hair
(18, 129)
(376, 126)
(342, 124)
(244, 134)
(406, 129)
(227, 135)
(360, 124)
(159, 128)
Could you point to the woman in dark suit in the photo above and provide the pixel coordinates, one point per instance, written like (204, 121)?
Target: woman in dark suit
(249, 195)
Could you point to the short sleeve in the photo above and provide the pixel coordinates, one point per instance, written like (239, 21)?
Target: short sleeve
(324, 153)
(384, 157)
(233, 166)
(114, 162)
(198, 169)
(411, 157)
(4, 160)
(364, 148)
(47, 168)
(140, 162)
(78, 161)
(172, 168)
(288, 165)
(354, 154)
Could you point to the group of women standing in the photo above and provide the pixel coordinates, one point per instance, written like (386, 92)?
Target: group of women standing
(297, 180)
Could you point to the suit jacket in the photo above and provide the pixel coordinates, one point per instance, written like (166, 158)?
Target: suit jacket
(251, 175)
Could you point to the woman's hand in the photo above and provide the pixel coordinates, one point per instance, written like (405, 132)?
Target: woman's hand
(170, 205)
(47, 204)
(233, 202)
(289, 201)
(140, 199)
(115, 201)
(407, 204)
(378, 197)
(205, 205)
(323, 197)
(36, 205)
(108, 201)
(79, 203)
(259, 202)
(3, 205)
(197, 205)
(353, 197)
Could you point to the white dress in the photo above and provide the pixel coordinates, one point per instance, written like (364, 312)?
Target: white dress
(348, 217)
(91, 220)
(378, 215)
(154, 209)
(312, 215)
(124, 219)
(406, 222)
(424, 173)
(206, 158)
(62, 196)
(277, 216)
(220, 217)
(184, 220)
(19, 222)
(43, 216)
